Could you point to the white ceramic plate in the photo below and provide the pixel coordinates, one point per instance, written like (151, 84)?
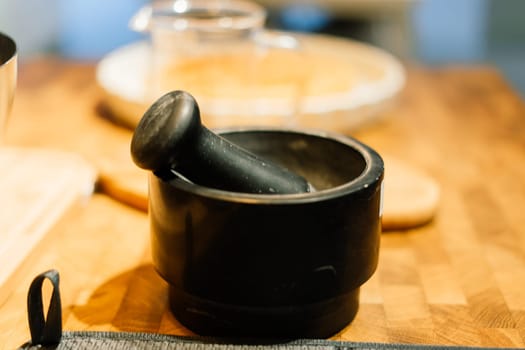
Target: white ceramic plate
(123, 76)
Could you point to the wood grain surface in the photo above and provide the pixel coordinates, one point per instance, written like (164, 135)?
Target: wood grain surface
(458, 280)
(33, 201)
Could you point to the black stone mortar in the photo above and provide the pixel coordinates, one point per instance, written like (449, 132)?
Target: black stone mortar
(263, 265)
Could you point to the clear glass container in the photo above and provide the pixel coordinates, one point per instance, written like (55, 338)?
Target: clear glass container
(183, 29)
(218, 51)
(243, 74)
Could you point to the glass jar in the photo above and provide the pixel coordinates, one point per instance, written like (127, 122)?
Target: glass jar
(218, 51)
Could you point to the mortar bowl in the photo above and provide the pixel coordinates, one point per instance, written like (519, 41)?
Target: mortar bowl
(254, 265)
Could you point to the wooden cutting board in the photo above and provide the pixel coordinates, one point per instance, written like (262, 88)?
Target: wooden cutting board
(456, 281)
(38, 187)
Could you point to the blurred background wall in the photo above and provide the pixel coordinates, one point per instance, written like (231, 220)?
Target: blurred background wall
(429, 31)
(79, 29)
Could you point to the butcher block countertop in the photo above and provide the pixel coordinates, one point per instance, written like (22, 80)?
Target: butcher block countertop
(459, 280)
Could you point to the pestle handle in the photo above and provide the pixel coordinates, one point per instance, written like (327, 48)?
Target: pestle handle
(170, 137)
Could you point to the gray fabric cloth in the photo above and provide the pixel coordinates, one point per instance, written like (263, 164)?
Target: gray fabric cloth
(148, 341)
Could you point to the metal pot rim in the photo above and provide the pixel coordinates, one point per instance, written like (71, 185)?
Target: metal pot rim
(8, 49)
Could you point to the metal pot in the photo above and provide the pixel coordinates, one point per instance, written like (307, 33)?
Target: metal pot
(8, 72)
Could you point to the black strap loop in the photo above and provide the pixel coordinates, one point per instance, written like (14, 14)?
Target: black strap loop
(48, 330)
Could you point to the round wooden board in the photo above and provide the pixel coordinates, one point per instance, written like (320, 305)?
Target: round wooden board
(410, 197)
